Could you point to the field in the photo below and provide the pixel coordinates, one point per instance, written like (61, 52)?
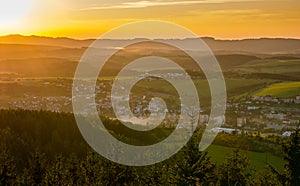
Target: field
(234, 86)
(273, 68)
(282, 90)
(258, 160)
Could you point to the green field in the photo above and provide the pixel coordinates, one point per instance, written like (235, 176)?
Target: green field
(258, 160)
(275, 67)
(233, 86)
(282, 90)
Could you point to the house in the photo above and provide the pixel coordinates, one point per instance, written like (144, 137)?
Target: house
(257, 98)
(268, 98)
(287, 134)
(293, 121)
(271, 99)
(274, 126)
(288, 100)
(279, 116)
(225, 130)
(297, 101)
(252, 108)
(241, 121)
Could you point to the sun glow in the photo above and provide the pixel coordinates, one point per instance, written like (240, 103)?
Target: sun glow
(12, 12)
(223, 19)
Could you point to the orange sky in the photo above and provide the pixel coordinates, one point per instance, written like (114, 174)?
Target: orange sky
(224, 19)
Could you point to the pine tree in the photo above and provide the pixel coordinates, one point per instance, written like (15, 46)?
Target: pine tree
(7, 168)
(193, 167)
(56, 172)
(292, 156)
(36, 171)
(116, 174)
(235, 170)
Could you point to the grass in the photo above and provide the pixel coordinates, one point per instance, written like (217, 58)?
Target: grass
(280, 67)
(282, 90)
(237, 87)
(258, 160)
(234, 86)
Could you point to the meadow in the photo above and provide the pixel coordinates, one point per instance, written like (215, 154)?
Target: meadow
(258, 160)
(281, 90)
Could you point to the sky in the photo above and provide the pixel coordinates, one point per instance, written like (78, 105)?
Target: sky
(222, 19)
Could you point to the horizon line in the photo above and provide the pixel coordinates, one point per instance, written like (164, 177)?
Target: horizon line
(85, 39)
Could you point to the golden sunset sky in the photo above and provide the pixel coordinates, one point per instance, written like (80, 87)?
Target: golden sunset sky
(223, 19)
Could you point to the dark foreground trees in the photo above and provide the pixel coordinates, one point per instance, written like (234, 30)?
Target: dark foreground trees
(235, 171)
(292, 150)
(43, 148)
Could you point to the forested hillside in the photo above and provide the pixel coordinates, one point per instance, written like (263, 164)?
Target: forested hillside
(45, 148)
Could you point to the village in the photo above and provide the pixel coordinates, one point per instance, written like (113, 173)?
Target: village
(251, 114)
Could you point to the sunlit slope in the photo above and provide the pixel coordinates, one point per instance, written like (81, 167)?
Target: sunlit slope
(282, 90)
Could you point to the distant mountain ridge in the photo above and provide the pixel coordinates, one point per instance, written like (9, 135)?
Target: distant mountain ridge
(250, 46)
(46, 41)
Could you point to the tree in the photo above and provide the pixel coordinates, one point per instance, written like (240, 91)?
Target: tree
(7, 168)
(193, 167)
(116, 174)
(156, 174)
(56, 173)
(235, 170)
(36, 171)
(91, 167)
(292, 156)
(267, 177)
(75, 171)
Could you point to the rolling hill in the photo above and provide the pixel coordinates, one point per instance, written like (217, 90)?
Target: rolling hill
(267, 46)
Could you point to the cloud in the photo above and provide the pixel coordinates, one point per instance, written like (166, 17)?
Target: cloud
(141, 4)
(145, 4)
